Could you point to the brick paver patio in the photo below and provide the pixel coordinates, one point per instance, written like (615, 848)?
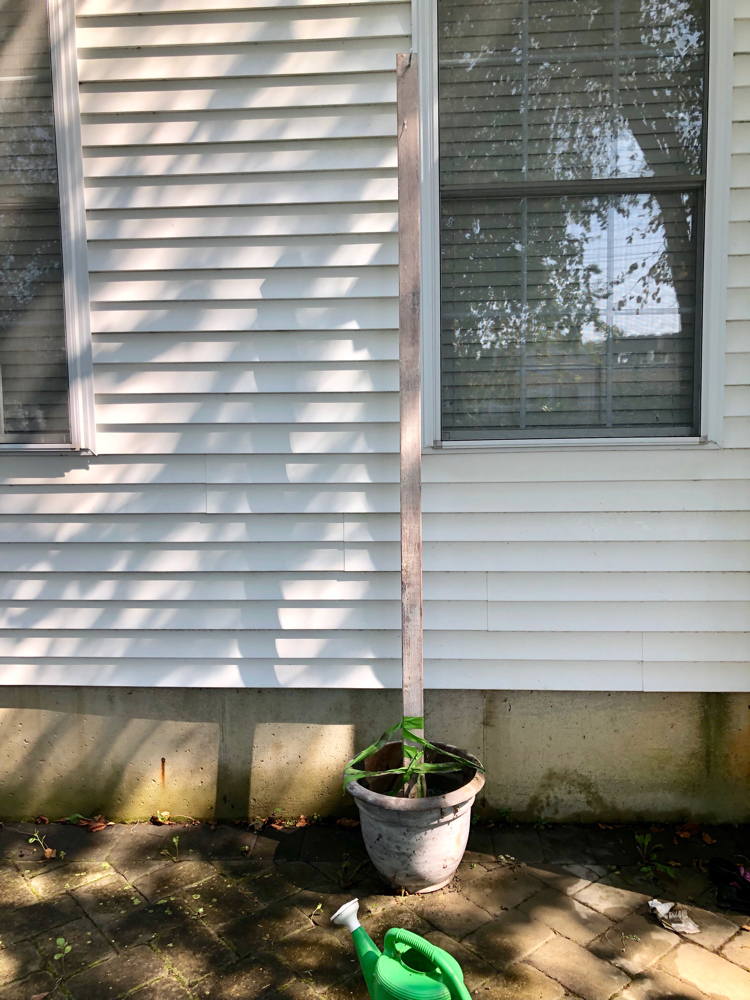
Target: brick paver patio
(535, 914)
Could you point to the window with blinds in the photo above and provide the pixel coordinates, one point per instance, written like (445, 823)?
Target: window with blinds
(572, 176)
(33, 368)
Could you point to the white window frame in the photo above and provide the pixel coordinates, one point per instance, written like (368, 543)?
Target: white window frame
(716, 244)
(64, 58)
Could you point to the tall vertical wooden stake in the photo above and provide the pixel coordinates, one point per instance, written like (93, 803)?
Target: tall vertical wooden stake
(410, 384)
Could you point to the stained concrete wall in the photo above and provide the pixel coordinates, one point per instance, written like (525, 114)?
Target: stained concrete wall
(234, 753)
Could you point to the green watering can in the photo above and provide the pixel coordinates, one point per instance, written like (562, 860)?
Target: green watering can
(408, 968)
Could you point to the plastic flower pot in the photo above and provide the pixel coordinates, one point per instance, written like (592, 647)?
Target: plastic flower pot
(417, 843)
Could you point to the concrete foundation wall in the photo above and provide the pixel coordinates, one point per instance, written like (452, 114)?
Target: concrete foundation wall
(238, 753)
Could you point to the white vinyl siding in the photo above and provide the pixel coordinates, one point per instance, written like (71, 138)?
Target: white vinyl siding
(240, 524)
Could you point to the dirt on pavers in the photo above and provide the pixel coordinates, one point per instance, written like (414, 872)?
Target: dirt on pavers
(535, 913)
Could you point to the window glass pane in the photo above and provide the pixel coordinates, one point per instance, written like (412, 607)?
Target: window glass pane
(33, 369)
(565, 314)
(570, 89)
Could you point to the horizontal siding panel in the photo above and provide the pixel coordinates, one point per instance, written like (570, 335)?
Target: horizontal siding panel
(231, 643)
(271, 499)
(173, 499)
(244, 94)
(156, 348)
(244, 26)
(263, 469)
(287, 439)
(356, 528)
(271, 284)
(558, 527)
(257, 60)
(243, 221)
(626, 588)
(287, 189)
(270, 408)
(358, 154)
(205, 585)
(163, 672)
(534, 617)
(569, 466)
(240, 557)
(697, 647)
(736, 432)
(636, 496)
(695, 676)
(335, 314)
(115, 133)
(20, 470)
(737, 400)
(297, 252)
(229, 378)
(567, 616)
(107, 8)
(738, 332)
(612, 557)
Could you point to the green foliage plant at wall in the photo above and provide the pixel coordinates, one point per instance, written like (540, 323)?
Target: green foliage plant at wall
(415, 768)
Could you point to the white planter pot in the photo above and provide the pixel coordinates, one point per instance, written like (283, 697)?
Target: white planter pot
(417, 844)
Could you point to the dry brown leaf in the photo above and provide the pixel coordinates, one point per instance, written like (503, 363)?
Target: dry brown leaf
(302, 821)
(347, 823)
(656, 829)
(746, 927)
(49, 853)
(708, 839)
(41, 821)
(39, 996)
(96, 827)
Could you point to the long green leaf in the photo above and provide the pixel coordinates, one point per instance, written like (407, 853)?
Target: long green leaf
(413, 754)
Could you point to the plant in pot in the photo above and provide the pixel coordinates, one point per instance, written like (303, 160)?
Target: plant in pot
(414, 797)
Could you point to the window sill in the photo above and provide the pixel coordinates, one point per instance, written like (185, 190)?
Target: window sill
(552, 444)
(47, 449)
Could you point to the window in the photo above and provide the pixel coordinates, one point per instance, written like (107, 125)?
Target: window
(572, 171)
(45, 355)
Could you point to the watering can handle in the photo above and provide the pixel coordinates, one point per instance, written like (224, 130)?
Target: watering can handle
(398, 935)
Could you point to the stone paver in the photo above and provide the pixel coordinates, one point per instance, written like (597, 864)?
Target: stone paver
(738, 950)
(634, 943)
(519, 982)
(117, 977)
(613, 902)
(710, 973)
(502, 889)
(566, 915)
(223, 923)
(451, 912)
(509, 938)
(475, 969)
(24, 989)
(193, 951)
(715, 930)
(562, 879)
(578, 970)
(19, 961)
(87, 945)
(657, 985)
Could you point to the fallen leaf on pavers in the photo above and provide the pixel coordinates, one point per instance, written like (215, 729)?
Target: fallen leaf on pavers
(656, 829)
(39, 996)
(707, 838)
(745, 927)
(41, 821)
(347, 823)
(302, 821)
(687, 830)
(674, 864)
(702, 864)
(49, 853)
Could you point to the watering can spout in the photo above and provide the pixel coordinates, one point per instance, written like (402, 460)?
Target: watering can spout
(367, 952)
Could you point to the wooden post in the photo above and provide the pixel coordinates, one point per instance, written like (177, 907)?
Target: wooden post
(410, 384)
